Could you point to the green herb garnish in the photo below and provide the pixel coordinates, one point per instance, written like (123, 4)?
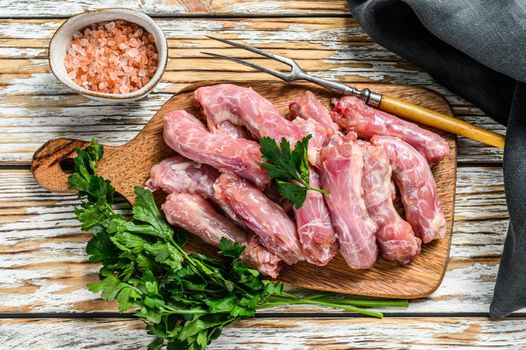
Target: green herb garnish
(184, 299)
(286, 165)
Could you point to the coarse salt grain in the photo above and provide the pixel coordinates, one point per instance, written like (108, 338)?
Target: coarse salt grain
(113, 57)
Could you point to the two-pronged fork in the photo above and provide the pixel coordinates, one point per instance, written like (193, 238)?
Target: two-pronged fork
(383, 102)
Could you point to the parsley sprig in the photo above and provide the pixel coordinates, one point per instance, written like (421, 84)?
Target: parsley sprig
(290, 168)
(184, 299)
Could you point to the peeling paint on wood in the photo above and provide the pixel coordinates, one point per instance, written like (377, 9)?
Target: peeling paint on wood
(43, 266)
(272, 333)
(36, 107)
(47, 263)
(52, 8)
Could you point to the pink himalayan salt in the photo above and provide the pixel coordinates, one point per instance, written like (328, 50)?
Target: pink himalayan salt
(113, 57)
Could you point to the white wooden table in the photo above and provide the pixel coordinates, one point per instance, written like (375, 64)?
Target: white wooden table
(43, 267)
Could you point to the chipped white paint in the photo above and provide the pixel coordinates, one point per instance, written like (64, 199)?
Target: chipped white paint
(46, 269)
(274, 333)
(389, 333)
(49, 8)
(478, 239)
(34, 107)
(15, 52)
(74, 334)
(39, 228)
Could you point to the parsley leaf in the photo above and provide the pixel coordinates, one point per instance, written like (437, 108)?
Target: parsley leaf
(230, 248)
(184, 299)
(289, 168)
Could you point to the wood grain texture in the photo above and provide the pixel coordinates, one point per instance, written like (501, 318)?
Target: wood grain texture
(273, 333)
(35, 107)
(53, 8)
(129, 165)
(44, 268)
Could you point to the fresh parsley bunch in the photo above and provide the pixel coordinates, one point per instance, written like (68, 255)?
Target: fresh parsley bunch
(290, 168)
(184, 299)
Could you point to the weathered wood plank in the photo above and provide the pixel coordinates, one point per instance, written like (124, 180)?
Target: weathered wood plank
(43, 266)
(51, 8)
(274, 333)
(36, 107)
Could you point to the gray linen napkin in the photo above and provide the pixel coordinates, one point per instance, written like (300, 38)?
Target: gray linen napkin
(477, 49)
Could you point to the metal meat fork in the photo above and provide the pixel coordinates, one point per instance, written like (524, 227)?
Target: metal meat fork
(385, 103)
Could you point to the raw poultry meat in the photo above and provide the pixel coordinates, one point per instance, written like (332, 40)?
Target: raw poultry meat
(196, 215)
(394, 236)
(357, 218)
(315, 229)
(188, 136)
(313, 119)
(232, 130)
(307, 106)
(417, 188)
(275, 230)
(341, 162)
(353, 114)
(245, 107)
(178, 174)
(319, 137)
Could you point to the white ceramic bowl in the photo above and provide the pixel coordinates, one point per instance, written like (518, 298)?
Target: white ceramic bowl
(64, 34)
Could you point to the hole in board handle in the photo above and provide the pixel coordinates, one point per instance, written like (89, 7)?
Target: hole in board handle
(67, 165)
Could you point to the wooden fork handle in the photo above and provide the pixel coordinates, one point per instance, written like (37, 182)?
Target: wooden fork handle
(440, 121)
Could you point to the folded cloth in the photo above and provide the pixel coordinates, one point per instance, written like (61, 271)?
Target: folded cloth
(475, 48)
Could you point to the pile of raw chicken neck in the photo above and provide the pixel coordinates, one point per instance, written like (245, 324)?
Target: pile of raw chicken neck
(217, 187)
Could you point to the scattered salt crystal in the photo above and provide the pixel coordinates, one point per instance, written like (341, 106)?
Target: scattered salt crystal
(77, 35)
(72, 74)
(142, 73)
(84, 42)
(123, 46)
(109, 26)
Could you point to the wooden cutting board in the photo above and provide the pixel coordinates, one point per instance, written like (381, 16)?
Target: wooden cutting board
(129, 165)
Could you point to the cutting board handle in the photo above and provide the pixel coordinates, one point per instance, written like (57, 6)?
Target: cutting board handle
(53, 162)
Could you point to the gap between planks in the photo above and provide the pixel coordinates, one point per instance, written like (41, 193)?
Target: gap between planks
(321, 315)
(211, 16)
(46, 269)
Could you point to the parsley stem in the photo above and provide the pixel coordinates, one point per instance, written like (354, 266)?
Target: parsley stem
(173, 311)
(320, 190)
(351, 308)
(370, 303)
(288, 298)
